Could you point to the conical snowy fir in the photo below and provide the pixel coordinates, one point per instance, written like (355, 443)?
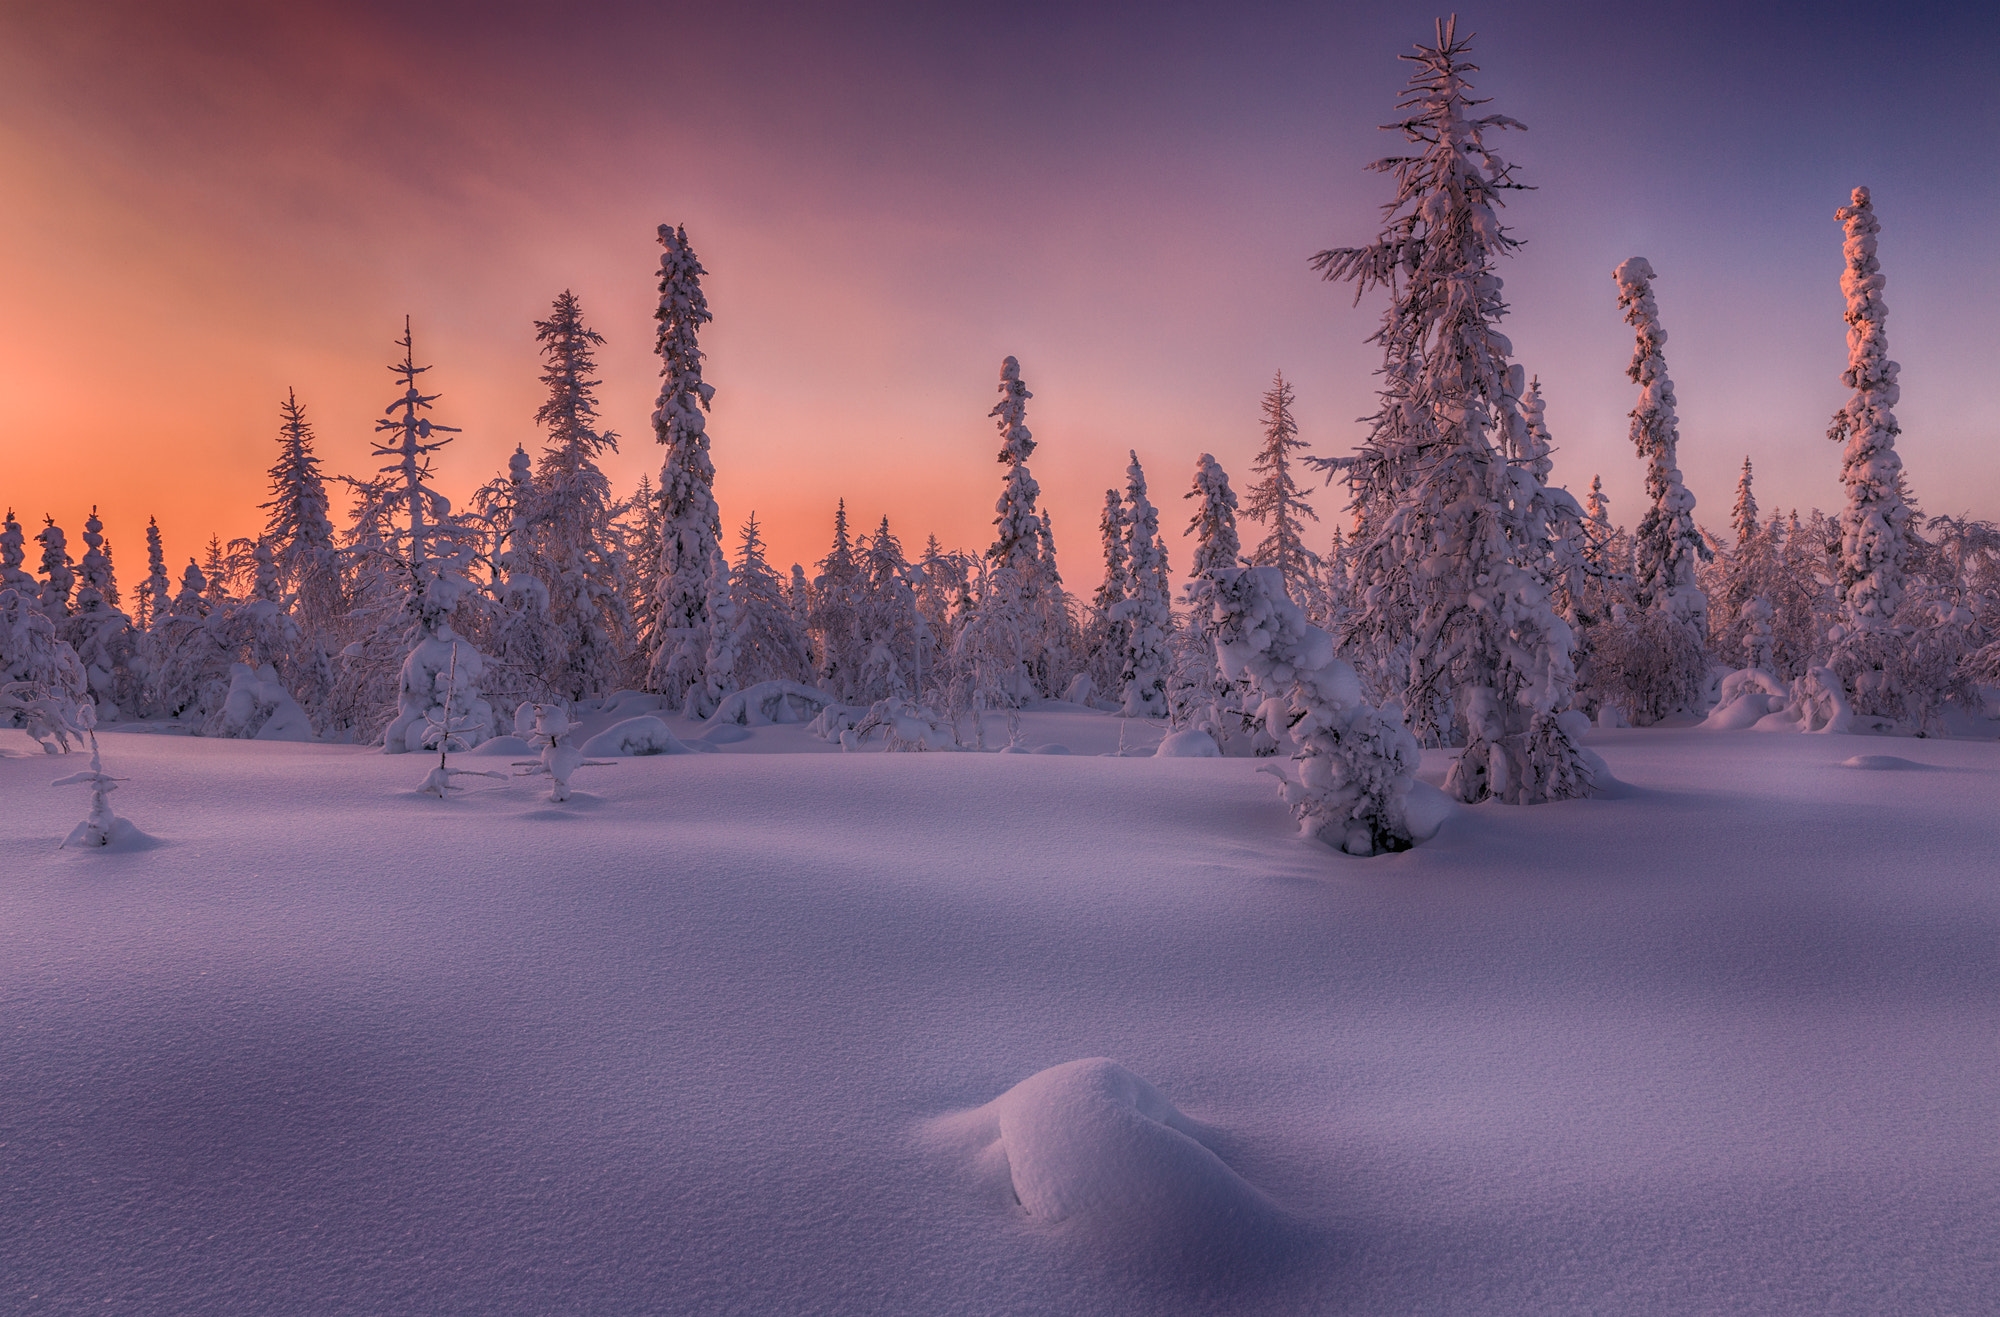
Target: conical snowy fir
(1453, 611)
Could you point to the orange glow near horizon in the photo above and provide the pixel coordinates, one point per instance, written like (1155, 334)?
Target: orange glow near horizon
(205, 211)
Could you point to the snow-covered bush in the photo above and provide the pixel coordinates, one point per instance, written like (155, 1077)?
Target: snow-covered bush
(548, 729)
(1356, 764)
(41, 680)
(101, 827)
(644, 735)
(771, 702)
(902, 724)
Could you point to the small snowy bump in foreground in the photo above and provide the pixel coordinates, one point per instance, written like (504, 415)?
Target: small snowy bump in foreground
(1883, 763)
(1090, 1142)
(644, 735)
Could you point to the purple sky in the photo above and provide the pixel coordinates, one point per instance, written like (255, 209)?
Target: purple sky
(210, 203)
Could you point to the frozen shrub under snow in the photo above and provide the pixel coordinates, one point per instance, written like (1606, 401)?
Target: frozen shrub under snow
(549, 730)
(644, 735)
(1356, 763)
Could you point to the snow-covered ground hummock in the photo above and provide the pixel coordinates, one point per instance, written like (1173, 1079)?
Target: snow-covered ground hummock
(983, 1033)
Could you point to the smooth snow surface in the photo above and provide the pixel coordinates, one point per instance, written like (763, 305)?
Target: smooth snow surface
(1722, 1042)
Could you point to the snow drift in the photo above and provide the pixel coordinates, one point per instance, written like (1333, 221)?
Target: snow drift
(1091, 1141)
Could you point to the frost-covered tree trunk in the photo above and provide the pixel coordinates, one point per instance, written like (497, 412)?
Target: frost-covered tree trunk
(1147, 610)
(1274, 499)
(1453, 610)
(1356, 764)
(691, 528)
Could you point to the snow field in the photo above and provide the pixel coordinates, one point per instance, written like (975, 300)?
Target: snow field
(1722, 1042)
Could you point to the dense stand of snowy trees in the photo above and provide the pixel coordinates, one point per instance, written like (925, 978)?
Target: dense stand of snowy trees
(1467, 600)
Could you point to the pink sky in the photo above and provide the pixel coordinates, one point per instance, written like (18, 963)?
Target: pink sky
(208, 208)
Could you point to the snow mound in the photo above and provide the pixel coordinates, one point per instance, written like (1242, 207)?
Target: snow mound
(1091, 1141)
(1192, 743)
(727, 734)
(502, 746)
(644, 735)
(125, 836)
(771, 702)
(1426, 808)
(1050, 749)
(1882, 763)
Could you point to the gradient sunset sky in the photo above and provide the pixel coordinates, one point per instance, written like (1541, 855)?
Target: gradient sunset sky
(207, 204)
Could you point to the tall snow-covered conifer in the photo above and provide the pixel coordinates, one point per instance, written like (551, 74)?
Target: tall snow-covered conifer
(58, 571)
(770, 646)
(299, 526)
(1874, 526)
(1147, 610)
(1274, 497)
(691, 528)
(1452, 609)
(1655, 663)
(433, 548)
(572, 544)
(156, 594)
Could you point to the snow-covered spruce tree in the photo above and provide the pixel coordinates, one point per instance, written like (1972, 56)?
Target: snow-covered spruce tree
(639, 525)
(1736, 576)
(943, 580)
(1880, 648)
(186, 662)
(572, 543)
(100, 633)
(1105, 637)
(1568, 563)
(260, 642)
(58, 571)
(1874, 525)
(1274, 499)
(719, 665)
(1147, 610)
(156, 593)
(1012, 647)
(522, 643)
(1452, 610)
(438, 682)
(299, 527)
(1656, 664)
(1356, 764)
(835, 614)
(691, 532)
(1211, 702)
(14, 552)
(889, 621)
(41, 680)
(769, 645)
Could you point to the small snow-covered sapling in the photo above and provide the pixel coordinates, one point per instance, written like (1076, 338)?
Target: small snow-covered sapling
(550, 735)
(96, 830)
(445, 732)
